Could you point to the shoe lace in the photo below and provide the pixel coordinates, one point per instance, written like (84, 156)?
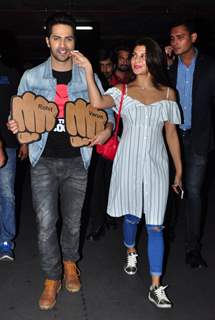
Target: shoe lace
(77, 271)
(160, 293)
(73, 270)
(132, 259)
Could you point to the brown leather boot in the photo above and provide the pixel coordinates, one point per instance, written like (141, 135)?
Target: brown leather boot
(71, 276)
(49, 294)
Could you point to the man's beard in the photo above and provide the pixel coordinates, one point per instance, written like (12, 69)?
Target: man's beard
(123, 68)
(59, 57)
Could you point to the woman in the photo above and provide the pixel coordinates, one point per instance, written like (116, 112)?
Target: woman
(140, 180)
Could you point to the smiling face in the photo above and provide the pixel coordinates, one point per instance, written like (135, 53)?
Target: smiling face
(182, 40)
(138, 60)
(61, 42)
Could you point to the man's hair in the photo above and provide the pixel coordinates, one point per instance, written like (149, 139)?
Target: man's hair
(190, 25)
(105, 54)
(59, 18)
(122, 47)
(155, 61)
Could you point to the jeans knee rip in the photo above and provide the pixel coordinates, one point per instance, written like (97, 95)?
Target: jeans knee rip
(155, 228)
(131, 222)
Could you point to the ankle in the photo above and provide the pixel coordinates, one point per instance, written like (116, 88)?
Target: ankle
(131, 250)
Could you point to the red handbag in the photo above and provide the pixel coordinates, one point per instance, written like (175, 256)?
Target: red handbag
(109, 148)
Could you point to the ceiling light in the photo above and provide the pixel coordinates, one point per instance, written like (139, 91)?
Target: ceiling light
(84, 28)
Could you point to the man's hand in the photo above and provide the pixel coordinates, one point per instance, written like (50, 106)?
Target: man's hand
(83, 122)
(169, 51)
(31, 116)
(2, 157)
(169, 55)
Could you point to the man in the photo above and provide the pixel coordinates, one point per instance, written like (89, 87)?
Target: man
(107, 66)
(100, 169)
(58, 170)
(8, 86)
(193, 74)
(122, 73)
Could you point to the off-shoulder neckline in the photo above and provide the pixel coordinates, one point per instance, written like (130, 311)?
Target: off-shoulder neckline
(144, 104)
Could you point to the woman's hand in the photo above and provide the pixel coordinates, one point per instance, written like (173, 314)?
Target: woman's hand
(177, 183)
(12, 125)
(81, 60)
(101, 137)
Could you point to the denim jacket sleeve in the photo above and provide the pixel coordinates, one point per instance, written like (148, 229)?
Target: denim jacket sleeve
(23, 85)
(35, 148)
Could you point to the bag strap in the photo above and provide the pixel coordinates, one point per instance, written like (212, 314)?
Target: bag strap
(120, 108)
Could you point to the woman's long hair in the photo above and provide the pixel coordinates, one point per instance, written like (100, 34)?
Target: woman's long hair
(155, 61)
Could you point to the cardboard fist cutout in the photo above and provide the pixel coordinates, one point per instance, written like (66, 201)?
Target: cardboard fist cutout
(34, 115)
(83, 122)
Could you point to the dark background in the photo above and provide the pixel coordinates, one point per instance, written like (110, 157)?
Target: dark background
(107, 292)
(22, 21)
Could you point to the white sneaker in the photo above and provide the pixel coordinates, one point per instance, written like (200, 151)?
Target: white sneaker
(131, 264)
(158, 296)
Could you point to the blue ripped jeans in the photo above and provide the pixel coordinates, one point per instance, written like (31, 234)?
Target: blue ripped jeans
(155, 242)
(7, 198)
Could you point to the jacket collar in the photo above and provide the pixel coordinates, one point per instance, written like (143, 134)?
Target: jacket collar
(76, 74)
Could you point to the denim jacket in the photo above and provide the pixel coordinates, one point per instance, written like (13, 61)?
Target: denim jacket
(40, 81)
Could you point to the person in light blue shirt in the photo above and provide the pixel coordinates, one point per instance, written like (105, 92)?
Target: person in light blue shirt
(184, 87)
(193, 74)
(59, 171)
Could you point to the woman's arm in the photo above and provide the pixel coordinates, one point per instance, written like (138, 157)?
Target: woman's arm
(96, 99)
(174, 148)
(103, 136)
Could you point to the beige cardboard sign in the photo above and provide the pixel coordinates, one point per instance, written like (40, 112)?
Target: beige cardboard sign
(34, 115)
(83, 122)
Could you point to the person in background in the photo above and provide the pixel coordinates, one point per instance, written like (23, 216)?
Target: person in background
(122, 72)
(193, 75)
(100, 168)
(9, 79)
(107, 65)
